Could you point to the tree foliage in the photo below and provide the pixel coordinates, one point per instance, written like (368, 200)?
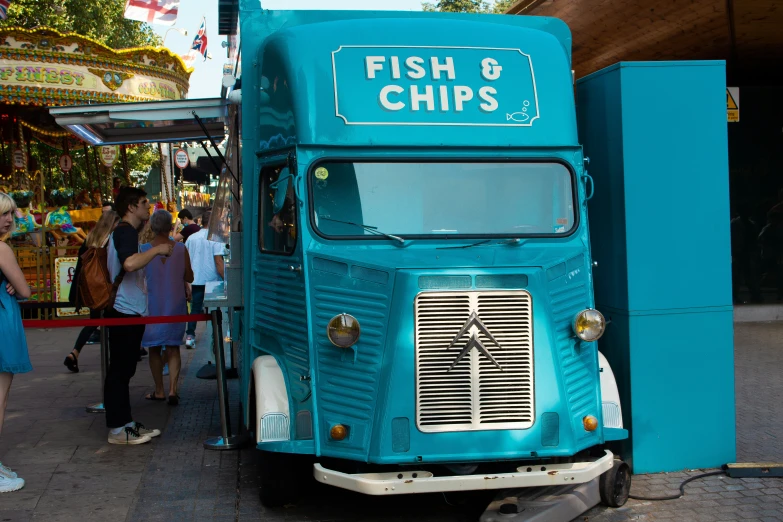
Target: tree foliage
(83, 177)
(468, 6)
(100, 20)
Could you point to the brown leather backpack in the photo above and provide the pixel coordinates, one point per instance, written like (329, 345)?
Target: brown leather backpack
(96, 291)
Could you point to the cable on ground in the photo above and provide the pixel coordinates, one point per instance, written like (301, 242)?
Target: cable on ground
(682, 486)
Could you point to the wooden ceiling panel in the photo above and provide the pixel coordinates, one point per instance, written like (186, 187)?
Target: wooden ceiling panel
(608, 31)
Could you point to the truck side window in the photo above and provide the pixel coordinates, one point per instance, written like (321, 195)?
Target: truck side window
(277, 229)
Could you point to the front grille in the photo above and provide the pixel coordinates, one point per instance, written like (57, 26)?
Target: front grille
(475, 394)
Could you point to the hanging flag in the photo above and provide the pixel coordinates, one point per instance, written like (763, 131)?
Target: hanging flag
(199, 46)
(4, 5)
(162, 12)
(200, 41)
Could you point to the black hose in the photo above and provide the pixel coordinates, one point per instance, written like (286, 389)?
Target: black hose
(682, 487)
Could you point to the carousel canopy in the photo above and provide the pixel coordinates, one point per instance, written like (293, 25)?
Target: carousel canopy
(44, 67)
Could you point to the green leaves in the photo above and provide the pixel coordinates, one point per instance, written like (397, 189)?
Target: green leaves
(102, 21)
(468, 6)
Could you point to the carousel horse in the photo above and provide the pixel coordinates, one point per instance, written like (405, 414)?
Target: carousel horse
(61, 225)
(24, 222)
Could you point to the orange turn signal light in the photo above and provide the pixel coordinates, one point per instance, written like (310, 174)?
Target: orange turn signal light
(338, 432)
(590, 423)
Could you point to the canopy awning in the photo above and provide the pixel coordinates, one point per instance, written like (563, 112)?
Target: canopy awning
(145, 122)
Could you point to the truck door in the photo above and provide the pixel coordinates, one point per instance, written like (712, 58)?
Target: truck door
(278, 283)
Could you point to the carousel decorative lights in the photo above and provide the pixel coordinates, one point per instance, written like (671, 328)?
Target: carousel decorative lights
(46, 169)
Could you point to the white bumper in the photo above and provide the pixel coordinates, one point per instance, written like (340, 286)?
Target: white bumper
(405, 482)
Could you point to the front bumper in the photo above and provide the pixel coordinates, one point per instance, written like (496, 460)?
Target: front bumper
(405, 482)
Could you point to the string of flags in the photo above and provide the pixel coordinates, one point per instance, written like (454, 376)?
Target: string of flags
(164, 12)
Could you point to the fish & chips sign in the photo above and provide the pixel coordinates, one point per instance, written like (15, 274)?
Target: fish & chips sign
(469, 86)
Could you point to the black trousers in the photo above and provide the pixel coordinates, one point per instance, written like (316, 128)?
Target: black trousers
(86, 332)
(124, 343)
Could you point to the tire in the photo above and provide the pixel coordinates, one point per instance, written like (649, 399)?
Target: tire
(615, 485)
(276, 477)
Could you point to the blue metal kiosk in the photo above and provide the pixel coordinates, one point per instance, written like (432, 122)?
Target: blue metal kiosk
(656, 136)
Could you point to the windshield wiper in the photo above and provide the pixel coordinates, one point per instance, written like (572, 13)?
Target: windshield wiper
(484, 242)
(368, 228)
(512, 241)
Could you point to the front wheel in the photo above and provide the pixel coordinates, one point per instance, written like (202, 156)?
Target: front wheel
(615, 485)
(276, 477)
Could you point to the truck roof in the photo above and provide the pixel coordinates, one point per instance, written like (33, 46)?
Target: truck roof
(406, 79)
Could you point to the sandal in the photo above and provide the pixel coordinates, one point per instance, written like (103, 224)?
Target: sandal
(173, 400)
(152, 397)
(71, 363)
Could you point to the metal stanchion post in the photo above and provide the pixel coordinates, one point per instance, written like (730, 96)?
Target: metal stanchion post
(226, 441)
(98, 407)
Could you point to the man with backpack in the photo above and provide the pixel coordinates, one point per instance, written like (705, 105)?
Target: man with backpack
(125, 264)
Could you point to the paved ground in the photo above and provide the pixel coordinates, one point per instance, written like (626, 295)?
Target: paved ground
(74, 475)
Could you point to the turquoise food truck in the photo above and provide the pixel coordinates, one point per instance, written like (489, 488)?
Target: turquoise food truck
(417, 280)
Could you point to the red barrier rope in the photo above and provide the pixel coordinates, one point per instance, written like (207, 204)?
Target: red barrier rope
(125, 321)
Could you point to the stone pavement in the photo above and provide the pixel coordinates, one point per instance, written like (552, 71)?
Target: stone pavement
(74, 475)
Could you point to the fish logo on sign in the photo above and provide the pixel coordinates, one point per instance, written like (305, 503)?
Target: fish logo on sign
(521, 116)
(474, 326)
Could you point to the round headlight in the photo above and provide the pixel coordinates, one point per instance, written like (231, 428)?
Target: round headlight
(589, 325)
(343, 330)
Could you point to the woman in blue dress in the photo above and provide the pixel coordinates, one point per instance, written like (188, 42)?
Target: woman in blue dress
(13, 351)
(168, 292)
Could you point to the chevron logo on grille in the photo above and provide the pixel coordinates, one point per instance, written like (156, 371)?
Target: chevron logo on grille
(474, 326)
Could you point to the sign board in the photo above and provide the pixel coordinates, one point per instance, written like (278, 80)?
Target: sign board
(181, 158)
(66, 162)
(84, 79)
(447, 86)
(64, 268)
(18, 158)
(732, 104)
(109, 155)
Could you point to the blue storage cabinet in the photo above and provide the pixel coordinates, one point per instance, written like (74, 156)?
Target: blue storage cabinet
(656, 135)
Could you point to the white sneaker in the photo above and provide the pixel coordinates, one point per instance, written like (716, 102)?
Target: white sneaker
(128, 436)
(5, 471)
(8, 485)
(144, 431)
(190, 342)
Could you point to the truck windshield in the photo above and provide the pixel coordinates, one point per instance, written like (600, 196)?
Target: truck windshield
(442, 199)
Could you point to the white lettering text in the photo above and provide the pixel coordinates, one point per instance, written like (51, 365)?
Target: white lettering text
(417, 98)
(462, 94)
(490, 69)
(444, 98)
(438, 68)
(414, 63)
(490, 104)
(384, 98)
(395, 65)
(374, 64)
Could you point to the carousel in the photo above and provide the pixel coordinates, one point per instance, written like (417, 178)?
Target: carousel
(59, 180)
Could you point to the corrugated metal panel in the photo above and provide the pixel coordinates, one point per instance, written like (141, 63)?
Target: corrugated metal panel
(569, 296)
(280, 309)
(348, 378)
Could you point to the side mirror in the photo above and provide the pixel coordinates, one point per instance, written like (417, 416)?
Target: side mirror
(281, 189)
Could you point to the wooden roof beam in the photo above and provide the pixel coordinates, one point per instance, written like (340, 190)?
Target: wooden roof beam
(524, 6)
